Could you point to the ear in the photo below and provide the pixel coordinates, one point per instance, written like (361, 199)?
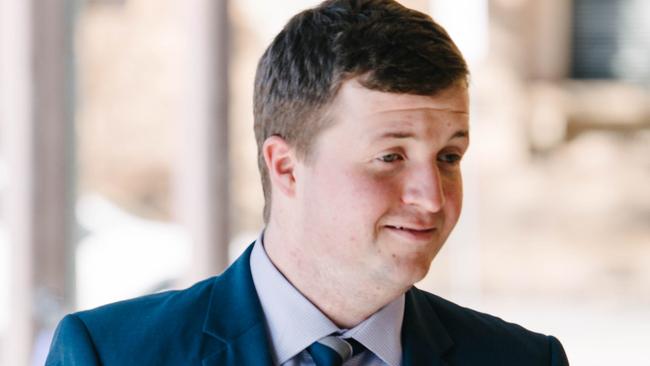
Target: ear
(280, 162)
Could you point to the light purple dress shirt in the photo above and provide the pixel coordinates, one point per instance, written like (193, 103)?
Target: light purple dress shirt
(293, 322)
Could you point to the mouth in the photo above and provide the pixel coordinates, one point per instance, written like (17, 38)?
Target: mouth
(412, 233)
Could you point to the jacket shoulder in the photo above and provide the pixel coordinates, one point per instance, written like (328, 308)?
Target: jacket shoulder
(72, 334)
(166, 325)
(475, 323)
(149, 310)
(487, 339)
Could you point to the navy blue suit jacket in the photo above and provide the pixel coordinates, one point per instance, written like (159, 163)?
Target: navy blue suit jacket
(220, 321)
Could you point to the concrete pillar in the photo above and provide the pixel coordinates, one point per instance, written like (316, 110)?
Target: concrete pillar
(15, 129)
(37, 142)
(549, 39)
(202, 194)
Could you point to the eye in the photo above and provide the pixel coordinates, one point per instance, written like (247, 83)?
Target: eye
(450, 158)
(390, 158)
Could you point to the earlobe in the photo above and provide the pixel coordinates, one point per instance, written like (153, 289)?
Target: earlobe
(280, 163)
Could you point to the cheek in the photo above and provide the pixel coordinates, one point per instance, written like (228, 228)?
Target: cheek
(364, 185)
(370, 192)
(354, 195)
(453, 198)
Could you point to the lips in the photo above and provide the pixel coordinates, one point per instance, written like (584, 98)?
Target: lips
(412, 233)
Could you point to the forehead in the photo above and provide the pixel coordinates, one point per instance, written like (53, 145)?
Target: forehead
(361, 121)
(355, 103)
(352, 97)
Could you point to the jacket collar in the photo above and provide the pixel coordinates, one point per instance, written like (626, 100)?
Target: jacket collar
(236, 326)
(424, 338)
(235, 319)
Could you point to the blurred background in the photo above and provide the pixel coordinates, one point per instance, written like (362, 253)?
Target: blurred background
(128, 162)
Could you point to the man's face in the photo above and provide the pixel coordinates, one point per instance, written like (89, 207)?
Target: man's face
(382, 188)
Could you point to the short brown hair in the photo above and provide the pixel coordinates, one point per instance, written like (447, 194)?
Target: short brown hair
(393, 48)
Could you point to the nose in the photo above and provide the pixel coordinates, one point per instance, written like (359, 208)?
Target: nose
(423, 188)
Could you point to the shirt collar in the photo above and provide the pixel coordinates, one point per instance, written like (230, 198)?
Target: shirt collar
(294, 322)
(381, 332)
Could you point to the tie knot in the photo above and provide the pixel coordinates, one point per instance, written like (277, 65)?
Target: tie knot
(332, 350)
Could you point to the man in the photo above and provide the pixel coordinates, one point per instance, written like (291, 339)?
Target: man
(361, 120)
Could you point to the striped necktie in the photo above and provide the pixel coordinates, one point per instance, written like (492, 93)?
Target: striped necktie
(333, 351)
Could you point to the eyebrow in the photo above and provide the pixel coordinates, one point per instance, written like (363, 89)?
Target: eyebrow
(406, 135)
(460, 134)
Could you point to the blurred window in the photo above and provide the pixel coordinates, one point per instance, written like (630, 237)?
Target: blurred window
(113, 2)
(611, 40)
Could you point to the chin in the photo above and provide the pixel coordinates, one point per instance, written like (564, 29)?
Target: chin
(418, 272)
(406, 272)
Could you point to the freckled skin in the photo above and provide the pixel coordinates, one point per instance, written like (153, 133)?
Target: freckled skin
(358, 184)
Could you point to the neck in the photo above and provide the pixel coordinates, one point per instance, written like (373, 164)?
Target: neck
(345, 299)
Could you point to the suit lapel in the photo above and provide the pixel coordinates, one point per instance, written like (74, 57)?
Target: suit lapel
(424, 338)
(235, 325)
